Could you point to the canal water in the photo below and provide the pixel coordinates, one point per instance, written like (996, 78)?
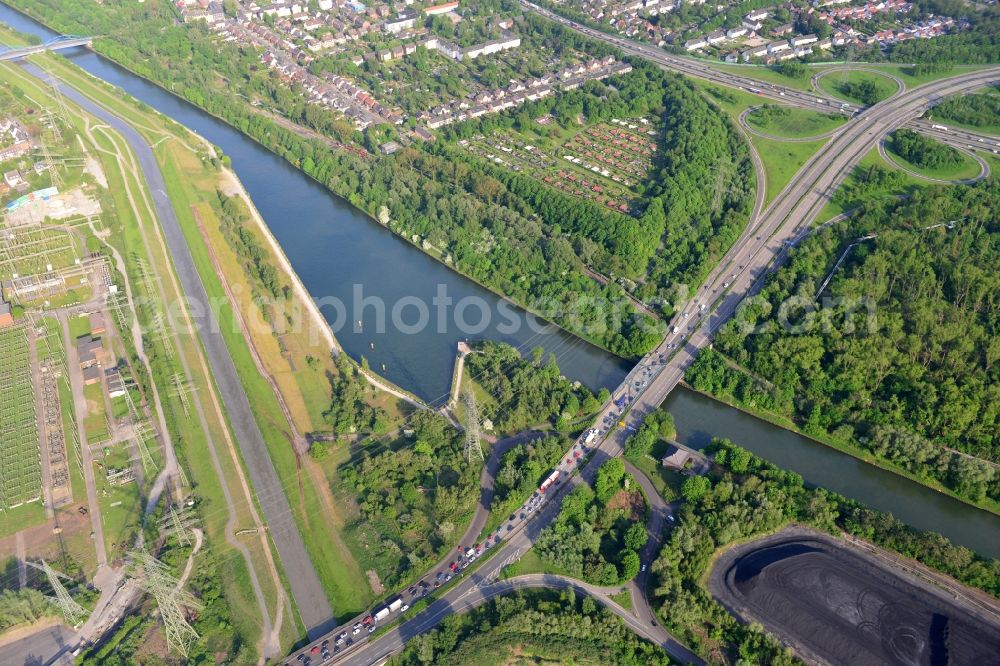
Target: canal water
(343, 256)
(334, 247)
(700, 418)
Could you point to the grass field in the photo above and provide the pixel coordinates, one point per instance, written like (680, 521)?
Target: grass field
(794, 123)
(531, 563)
(133, 232)
(965, 168)
(833, 84)
(782, 160)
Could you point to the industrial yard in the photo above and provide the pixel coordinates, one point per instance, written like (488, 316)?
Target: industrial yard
(837, 604)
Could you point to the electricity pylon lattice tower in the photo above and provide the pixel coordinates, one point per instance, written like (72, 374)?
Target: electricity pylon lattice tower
(473, 448)
(71, 611)
(171, 599)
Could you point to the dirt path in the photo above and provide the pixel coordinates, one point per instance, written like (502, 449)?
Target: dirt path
(270, 645)
(319, 322)
(198, 537)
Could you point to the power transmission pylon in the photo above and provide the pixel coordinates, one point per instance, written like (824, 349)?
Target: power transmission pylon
(171, 599)
(473, 449)
(178, 524)
(71, 611)
(181, 389)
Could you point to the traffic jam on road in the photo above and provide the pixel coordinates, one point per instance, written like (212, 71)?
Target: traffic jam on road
(465, 556)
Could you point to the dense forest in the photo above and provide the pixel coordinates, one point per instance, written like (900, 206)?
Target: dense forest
(979, 44)
(535, 627)
(414, 494)
(511, 235)
(922, 151)
(746, 496)
(599, 533)
(528, 392)
(977, 110)
(899, 355)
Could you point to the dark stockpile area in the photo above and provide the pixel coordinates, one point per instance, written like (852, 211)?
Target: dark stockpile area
(838, 605)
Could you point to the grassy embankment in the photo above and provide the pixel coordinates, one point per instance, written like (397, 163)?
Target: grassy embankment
(836, 85)
(781, 159)
(132, 231)
(765, 74)
(303, 385)
(794, 123)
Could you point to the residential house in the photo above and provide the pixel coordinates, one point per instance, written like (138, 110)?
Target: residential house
(716, 37)
(404, 21)
(695, 44)
(443, 8)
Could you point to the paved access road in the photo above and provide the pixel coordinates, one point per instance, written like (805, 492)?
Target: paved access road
(476, 593)
(472, 588)
(738, 275)
(815, 100)
(310, 599)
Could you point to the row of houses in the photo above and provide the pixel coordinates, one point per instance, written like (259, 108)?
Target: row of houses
(451, 50)
(335, 92)
(923, 30)
(751, 25)
(201, 10)
(495, 101)
(14, 138)
(863, 12)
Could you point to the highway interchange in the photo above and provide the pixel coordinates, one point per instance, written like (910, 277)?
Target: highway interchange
(762, 247)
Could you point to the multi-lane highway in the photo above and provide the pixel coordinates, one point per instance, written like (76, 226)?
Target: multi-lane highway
(816, 100)
(762, 246)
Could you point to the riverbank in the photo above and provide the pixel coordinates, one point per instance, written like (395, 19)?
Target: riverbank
(854, 452)
(416, 244)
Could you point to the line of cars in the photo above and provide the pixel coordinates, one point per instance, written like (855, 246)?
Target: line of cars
(465, 557)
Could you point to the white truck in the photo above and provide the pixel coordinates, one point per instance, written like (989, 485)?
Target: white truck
(380, 613)
(395, 604)
(591, 436)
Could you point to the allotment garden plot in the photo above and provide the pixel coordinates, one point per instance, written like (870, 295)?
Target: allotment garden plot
(607, 163)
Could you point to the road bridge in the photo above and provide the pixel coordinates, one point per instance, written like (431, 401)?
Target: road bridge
(761, 248)
(56, 44)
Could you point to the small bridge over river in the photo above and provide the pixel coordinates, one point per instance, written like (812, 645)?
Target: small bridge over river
(61, 42)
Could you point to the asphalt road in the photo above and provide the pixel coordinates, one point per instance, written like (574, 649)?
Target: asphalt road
(815, 100)
(310, 599)
(762, 246)
(39, 648)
